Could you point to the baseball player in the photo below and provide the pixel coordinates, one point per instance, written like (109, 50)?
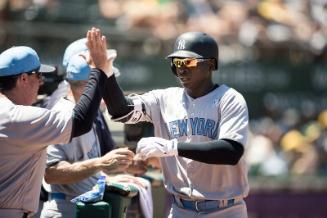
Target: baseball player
(200, 132)
(25, 131)
(74, 168)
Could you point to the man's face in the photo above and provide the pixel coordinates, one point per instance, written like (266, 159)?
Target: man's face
(193, 73)
(32, 84)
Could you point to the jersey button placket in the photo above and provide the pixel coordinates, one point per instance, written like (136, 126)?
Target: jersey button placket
(190, 172)
(191, 112)
(192, 108)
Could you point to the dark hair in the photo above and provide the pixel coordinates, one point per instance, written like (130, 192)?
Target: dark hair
(7, 83)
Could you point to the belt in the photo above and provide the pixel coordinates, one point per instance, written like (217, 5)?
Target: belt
(59, 196)
(205, 205)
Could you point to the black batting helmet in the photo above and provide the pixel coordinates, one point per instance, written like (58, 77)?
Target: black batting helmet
(196, 45)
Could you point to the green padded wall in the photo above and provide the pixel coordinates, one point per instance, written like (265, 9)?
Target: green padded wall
(99, 209)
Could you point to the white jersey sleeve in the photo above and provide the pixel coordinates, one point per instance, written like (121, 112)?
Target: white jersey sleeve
(55, 154)
(146, 106)
(33, 126)
(234, 117)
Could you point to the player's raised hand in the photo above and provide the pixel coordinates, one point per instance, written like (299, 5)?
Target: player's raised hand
(156, 147)
(116, 161)
(97, 45)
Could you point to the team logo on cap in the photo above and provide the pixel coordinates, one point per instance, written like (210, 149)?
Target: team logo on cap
(181, 44)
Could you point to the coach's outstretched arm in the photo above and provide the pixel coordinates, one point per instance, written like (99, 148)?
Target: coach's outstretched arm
(86, 109)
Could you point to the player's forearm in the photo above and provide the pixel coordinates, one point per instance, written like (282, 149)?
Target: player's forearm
(118, 105)
(86, 109)
(225, 152)
(67, 173)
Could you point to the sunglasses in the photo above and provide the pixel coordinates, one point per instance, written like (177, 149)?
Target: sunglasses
(187, 62)
(38, 74)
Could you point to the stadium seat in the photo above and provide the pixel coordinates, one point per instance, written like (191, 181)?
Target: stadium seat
(115, 201)
(99, 209)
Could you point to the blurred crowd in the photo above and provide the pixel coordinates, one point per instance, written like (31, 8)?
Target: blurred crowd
(267, 23)
(291, 143)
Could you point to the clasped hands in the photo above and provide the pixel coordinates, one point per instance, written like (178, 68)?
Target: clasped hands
(123, 160)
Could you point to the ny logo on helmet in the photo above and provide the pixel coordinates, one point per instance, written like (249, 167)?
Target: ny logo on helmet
(181, 44)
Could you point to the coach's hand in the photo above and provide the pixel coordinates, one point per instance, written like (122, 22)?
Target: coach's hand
(98, 56)
(116, 161)
(156, 147)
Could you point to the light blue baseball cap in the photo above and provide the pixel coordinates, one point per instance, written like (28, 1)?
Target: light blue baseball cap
(74, 48)
(21, 59)
(79, 46)
(77, 69)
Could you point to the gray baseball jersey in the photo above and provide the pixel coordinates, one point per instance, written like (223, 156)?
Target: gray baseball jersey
(80, 148)
(25, 131)
(221, 114)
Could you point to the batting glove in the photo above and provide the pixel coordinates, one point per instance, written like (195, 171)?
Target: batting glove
(156, 147)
